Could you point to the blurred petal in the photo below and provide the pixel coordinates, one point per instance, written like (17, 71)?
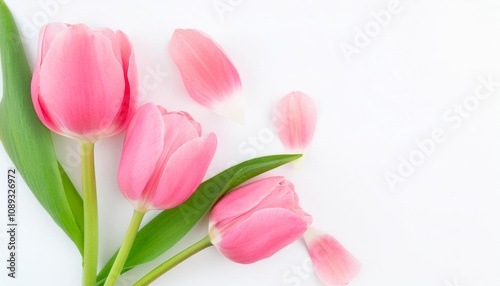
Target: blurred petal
(209, 76)
(272, 229)
(294, 119)
(141, 150)
(333, 264)
(184, 172)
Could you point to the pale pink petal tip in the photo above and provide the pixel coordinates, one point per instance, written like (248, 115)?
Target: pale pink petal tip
(333, 264)
(232, 108)
(294, 119)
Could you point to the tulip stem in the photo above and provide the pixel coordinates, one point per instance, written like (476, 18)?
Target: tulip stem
(90, 222)
(174, 261)
(128, 241)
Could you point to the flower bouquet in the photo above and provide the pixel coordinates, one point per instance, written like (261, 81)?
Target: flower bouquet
(84, 86)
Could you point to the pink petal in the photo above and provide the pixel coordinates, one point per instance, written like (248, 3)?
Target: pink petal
(294, 119)
(333, 264)
(261, 235)
(196, 124)
(110, 34)
(129, 102)
(209, 75)
(184, 172)
(81, 82)
(141, 150)
(179, 129)
(242, 200)
(47, 35)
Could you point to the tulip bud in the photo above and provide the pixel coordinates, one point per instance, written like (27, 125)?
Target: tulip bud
(84, 84)
(256, 220)
(209, 75)
(164, 158)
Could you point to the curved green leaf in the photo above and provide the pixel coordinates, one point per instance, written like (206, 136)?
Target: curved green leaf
(166, 229)
(27, 142)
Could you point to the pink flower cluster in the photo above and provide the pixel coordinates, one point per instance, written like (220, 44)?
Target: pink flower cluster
(85, 87)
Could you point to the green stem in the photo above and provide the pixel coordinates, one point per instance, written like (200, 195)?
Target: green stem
(90, 222)
(174, 261)
(116, 270)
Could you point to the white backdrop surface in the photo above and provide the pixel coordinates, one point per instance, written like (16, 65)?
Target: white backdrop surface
(404, 168)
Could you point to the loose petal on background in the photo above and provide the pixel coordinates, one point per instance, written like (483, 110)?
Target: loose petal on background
(208, 74)
(333, 264)
(294, 119)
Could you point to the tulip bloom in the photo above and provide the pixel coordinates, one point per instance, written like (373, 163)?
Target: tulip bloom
(333, 264)
(84, 84)
(255, 221)
(209, 75)
(294, 119)
(164, 158)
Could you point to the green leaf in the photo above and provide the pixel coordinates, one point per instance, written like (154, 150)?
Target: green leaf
(166, 229)
(27, 142)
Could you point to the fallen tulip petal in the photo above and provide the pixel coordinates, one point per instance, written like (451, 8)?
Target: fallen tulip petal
(294, 119)
(333, 264)
(209, 76)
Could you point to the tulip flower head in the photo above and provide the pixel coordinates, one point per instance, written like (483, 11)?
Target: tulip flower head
(164, 158)
(208, 74)
(256, 220)
(84, 84)
(333, 264)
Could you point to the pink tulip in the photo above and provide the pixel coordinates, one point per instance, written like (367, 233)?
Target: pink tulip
(164, 158)
(209, 76)
(85, 81)
(333, 264)
(294, 119)
(255, 221)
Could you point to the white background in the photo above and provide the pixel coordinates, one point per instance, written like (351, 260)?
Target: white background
(440, 226)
